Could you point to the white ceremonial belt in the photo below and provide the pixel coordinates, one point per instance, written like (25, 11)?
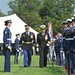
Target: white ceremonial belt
(8, 39)
(69, 39)
(61, 51)
(63, 37)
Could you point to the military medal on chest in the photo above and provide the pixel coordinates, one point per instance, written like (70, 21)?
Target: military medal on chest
(46, 37)
(31, 36)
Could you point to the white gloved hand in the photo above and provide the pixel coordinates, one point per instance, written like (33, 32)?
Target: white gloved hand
(9, 47)
(47, 44)
(37, 49)
(20, 48)
(61, 51)
(17, 50)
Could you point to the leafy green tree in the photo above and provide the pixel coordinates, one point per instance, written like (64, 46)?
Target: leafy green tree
(27, 10)
(37, 12)
(56, 11)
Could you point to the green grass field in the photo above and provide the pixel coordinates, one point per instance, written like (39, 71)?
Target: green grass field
(33, 70)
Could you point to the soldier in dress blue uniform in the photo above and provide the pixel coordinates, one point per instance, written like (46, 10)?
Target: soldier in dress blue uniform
(27, 40)
(16, 48)
(43, 41)
(73, 51)
(64, 42)
(61, 49)
(68, 45)
(57, 49)
(7, 45)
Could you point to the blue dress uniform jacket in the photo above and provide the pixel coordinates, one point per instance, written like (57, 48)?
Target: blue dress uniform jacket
(6, 48)
(61, 51)
(17, 44)
(16, 51)
(7, 37)
(57, 51)
(64, 37)
(57, 46)
(68, 48)
(73, 51)
(74, 38)
(67, 41)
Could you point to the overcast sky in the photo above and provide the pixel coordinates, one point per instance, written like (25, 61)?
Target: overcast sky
(4, 6)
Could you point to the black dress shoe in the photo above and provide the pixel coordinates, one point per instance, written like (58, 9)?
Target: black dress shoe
(41, 66)
(25, 66)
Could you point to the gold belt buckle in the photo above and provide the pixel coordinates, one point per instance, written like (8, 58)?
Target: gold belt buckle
(27, 42)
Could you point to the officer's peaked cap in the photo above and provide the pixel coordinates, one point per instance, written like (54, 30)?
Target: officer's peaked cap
(17, 34)
(27, 26)
(8, 21)
(64, 22)
(69, 20)
(42, 26)
(73, 19)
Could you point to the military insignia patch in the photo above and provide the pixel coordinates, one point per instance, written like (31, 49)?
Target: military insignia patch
(5, 32)
(31, 36)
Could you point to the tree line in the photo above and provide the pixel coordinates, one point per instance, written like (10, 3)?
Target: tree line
(38, 12)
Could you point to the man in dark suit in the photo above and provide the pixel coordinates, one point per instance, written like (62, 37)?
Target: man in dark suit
(27, 40)
(7, 45)
(43, 41)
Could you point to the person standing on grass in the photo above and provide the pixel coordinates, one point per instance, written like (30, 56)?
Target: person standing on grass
(61, 49)
(7, 45)
(17, 48)
(57, 49)
(43, 42)
(27, 40)
(68, 45)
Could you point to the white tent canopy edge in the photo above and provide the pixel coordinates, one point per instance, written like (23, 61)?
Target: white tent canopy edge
(17, 26)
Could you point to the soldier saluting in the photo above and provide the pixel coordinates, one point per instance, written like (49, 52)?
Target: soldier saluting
(43, 41)
(27, 40)
(7, 45)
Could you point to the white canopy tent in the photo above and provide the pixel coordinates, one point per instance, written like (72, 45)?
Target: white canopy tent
(17, 26)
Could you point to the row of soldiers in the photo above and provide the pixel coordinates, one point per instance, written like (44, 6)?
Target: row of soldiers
(69, 44)
(65, 44)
